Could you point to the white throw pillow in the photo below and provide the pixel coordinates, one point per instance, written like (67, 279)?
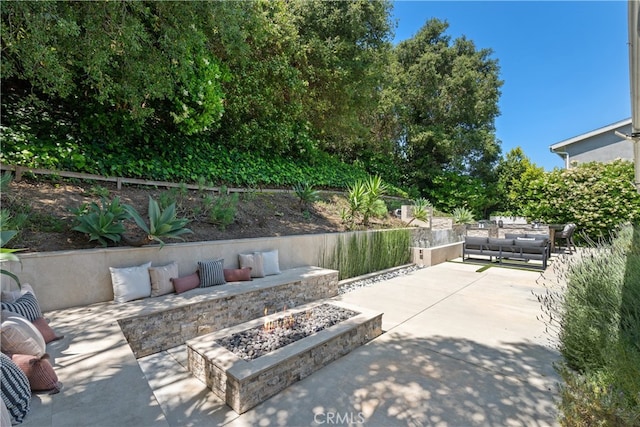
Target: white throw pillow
(130, 283)
(270, 262)
(20, 336)
(161, 279)
(254, 262)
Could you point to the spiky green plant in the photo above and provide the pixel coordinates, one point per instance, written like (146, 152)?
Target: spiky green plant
(462, 216)
(374, 205)
(365, 199)
(357, 198)
(420, 210)
(102, 222)
(306, 194)
(163, 224)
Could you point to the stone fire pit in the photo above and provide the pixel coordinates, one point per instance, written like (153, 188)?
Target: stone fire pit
(244, 383)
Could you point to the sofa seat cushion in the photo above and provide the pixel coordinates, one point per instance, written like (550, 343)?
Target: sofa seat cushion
(531, 246)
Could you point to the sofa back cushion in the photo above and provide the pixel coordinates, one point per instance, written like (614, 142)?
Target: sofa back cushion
(500, 244)
(537, 236)
(514, 236)
(475, 243)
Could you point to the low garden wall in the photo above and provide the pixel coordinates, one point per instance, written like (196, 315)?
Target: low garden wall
(65, 279)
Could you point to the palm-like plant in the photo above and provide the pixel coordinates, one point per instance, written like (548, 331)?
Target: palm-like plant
(374, 205)
(162, 224)
(420, 210)
(306, 194)
(357, 198)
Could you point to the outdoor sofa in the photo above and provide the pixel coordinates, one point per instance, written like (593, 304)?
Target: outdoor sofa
(513, 247)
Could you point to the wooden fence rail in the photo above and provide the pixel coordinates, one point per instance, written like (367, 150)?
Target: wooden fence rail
(20, 170)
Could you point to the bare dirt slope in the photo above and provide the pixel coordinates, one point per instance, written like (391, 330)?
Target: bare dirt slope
(48, 206)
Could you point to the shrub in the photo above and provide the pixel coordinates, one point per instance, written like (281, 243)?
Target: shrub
(462, 216)
(597, 197)
(102, 222)
(162, 224)
(306, 195)
(420, 210)
(597, 318)
(222, 210)
(365, 200)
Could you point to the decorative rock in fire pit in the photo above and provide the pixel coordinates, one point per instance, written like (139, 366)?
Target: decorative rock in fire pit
(285, 329)
(324, 332)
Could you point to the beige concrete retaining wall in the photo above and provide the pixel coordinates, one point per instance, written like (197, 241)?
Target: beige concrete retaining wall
(426, 257)
(66, 279)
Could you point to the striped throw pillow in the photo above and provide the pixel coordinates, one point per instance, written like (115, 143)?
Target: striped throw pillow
(211, 273)
(26, 306)
(16, 391)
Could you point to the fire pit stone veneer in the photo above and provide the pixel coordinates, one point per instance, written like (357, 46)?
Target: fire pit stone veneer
(244, 384)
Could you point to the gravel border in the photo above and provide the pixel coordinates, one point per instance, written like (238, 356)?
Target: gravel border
(352, 284)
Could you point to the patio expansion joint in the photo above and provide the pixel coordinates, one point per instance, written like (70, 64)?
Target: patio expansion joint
(436, 303)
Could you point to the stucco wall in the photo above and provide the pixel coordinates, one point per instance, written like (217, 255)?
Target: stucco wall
(601, 148)
(76, 278)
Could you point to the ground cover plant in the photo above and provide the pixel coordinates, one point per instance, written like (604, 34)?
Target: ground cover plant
(596, 316)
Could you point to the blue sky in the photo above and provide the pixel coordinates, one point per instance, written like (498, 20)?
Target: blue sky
(565, 65)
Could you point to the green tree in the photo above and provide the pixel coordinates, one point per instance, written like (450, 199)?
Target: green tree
(258, 41)
(140, 63)
(515, 173)
(451, 190)
(346, 47)
(449, 100)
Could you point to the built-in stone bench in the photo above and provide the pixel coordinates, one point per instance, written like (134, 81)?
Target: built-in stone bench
(96, 359)
(166, 322)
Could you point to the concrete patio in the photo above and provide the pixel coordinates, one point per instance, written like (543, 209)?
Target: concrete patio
(460, 348)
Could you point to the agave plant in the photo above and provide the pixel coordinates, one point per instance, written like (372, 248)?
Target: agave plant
(7, 254)
(462, 216)
(102, 222)
(306, 194)
(163, 224)
(421, 210)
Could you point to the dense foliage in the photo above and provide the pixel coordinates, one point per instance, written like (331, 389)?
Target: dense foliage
(598, 197)
(255, 93)
(597, 318)
(450, 92)
(515, 173)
